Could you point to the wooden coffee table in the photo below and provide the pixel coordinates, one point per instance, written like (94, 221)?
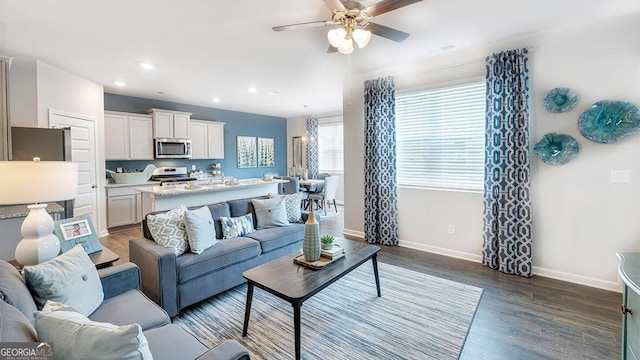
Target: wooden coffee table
(295, 283)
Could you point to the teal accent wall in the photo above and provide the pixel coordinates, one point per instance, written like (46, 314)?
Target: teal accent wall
(236, 124)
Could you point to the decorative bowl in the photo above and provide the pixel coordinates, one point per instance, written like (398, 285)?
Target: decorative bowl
(557, 149)
(608, 121)
(559, 100)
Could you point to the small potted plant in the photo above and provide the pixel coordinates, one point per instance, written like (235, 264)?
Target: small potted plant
(327, 242)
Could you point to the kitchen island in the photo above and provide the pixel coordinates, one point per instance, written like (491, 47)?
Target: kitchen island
(159, 198)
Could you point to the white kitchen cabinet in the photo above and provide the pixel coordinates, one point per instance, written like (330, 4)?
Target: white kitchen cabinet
(128, 136)
(207, 139)
(124, 205)
(170, 124)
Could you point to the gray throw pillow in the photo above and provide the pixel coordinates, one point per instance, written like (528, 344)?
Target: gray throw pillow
(168, 229)
(70, 278)
(76, 337)
(270, 212)
(14, 291)
(201, 230)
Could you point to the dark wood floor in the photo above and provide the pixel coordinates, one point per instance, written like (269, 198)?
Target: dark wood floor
(518, 318)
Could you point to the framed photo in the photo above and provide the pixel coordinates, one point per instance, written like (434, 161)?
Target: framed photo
(266, 157)
(246, 149)
(77, 231)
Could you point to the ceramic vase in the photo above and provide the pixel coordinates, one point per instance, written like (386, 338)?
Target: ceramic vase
(311, 242)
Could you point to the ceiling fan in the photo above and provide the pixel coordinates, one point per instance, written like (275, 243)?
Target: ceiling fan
(354, 23)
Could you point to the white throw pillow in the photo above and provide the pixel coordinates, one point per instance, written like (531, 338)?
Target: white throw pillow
(201, 231)
(270, 212)
(76, 337)
(70, 278)
(168, 229)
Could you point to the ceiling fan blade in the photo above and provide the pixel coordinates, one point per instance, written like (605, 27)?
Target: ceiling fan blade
(335, 5)
(298, 26)
(385, 6)
(332, 49)
(387, 32)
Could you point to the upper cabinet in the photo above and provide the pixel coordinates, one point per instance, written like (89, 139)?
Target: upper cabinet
(128, 136)
(207, 139)
(170, 124)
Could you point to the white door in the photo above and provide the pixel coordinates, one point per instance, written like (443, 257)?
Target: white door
(83, 151)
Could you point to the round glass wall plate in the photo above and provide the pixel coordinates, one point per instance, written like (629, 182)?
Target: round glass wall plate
(557, 149)
(608, 121)
(559, 100)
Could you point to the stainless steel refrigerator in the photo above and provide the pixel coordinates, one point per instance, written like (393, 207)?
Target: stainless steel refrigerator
(47, 144)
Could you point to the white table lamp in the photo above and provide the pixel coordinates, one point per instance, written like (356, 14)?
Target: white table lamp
(37, 182)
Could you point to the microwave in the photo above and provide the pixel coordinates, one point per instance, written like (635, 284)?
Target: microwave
(172, 148)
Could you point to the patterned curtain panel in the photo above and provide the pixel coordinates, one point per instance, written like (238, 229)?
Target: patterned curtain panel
(380, 198)
(312, 146)
(507, 204)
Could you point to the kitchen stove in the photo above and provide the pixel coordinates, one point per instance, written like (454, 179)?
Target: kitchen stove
(172, 176)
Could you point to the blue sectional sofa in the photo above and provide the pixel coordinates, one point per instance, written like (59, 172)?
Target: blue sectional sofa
(175, 282)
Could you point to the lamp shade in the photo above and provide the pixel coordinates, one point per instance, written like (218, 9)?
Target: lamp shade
(346, 47)
(336, 36)
(361, 37)
(29, 182)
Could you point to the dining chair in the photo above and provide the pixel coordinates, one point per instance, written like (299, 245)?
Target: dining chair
(328, 194)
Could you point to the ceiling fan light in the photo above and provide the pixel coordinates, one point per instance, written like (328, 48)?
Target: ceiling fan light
(361, 37)
(346, 47)
(336, 36)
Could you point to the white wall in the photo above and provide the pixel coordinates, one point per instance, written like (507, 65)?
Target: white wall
(580, 218)
(35, 87)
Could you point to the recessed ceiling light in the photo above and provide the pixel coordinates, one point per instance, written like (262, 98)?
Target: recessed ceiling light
(252, 90)
(448, 47)
(120, 83)
(216, 100)
(146, 65)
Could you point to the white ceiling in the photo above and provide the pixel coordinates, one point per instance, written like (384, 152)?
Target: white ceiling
(204, 49)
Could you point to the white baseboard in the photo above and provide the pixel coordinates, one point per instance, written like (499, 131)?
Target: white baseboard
(538, 271)
(103, 233)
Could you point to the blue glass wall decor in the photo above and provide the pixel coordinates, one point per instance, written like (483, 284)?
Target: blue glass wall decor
(559, 100)
(556, 149)
(608, 121)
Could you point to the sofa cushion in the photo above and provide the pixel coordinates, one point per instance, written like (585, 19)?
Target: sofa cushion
(14, 291)
(201, 232)
(217, 211)
(237, 226)
(275, 238)
(76, 337)
(70, 278)
(223, 254)
(270, 212)
(131, 306)
(14, 326)
(162, 343)
(168, 229)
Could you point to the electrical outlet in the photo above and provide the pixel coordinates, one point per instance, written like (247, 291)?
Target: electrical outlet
(193, 168)
(451, 229)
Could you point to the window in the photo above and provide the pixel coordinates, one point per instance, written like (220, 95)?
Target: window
(440, 137)
(330, 148)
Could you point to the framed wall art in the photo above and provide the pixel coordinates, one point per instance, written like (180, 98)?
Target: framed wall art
(246, 149)
(266, 150)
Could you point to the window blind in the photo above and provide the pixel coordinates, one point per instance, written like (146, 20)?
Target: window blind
(440, 137)
(330, 148)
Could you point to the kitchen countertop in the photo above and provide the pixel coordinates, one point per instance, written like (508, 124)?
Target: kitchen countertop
(182, 189)
(14, 211)
(114, 185)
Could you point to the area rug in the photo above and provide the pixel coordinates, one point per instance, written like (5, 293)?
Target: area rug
(418, 317)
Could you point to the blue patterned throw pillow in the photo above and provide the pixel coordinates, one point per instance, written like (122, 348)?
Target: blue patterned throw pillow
(292, 205)
(237, 226)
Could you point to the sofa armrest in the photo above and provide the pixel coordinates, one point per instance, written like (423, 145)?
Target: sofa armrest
(158, 271)
(119, 279)
(228, 350)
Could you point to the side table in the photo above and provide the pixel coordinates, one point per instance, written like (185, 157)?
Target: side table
(102, 259)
